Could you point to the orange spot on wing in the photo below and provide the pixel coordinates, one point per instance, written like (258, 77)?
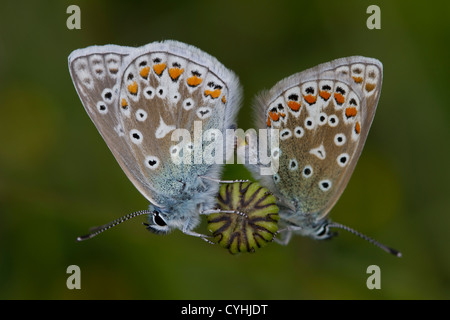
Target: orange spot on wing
(358, 79)
(283, 114)
(194, 81)
(133, 88)
(159, 68)
(357, 127)
(144, 72)
(224, 100)
(325, 95)
(175, 73)
(213, 93)
(339, 98)
(351, 112)
(269, 123)
(274, 115)
(124, 103)
(310, 98)
(294, 105)
(370, 86)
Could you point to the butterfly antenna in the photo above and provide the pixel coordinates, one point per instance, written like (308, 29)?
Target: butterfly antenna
(97, 230)
(363, 236)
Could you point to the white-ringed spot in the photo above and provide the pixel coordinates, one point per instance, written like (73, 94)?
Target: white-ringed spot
(141, 115)
(285, 134)
(322, 118)
(107, 95)
(340, 139)
(102, 107)
(299, 132)
(161, 92)
(188, 104)
(307, 171)
(342, 159)
(152, 162)
(276, 178)
(149, 92)
(309, 123)
(293, 165)
(333, 120)
(136, 136)
(204, 112)
(325, 185)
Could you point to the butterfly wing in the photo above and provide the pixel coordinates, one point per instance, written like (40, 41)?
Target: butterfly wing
(323, 115)
(160, 88)
(95, 72)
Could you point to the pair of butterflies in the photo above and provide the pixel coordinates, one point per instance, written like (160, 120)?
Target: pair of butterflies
(139, 97)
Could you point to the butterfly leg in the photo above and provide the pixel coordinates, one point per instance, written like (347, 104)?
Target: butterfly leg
(243, 214)
(286, 234)
(198, 235)
(223, 181)
(195, 234)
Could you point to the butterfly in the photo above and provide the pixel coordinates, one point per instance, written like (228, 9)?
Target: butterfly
(148, 103)
(321, 118)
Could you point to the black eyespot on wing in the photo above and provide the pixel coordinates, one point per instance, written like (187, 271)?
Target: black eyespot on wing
(136, 136)
(309, 90)
(340, 90)
(108, 95)
(204, 112)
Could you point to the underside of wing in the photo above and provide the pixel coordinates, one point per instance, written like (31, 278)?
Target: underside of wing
(171, 97)
(323, 116)
(96, 72)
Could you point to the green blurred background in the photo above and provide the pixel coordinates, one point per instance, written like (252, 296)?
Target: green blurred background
(58, 178)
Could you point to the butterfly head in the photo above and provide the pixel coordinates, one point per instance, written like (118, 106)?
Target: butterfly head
(321, 231)
(317, 230)
(164, 220)
(157, 223)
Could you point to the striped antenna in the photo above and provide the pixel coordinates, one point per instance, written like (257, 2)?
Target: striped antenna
(97, 230)
(363, 236)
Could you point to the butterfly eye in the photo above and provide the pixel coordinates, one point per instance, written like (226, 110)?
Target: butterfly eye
(307, 171)
(158, 220)
(323, 232)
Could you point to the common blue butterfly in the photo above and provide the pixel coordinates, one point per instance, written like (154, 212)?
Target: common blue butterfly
(323, 116)
(137, 97)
